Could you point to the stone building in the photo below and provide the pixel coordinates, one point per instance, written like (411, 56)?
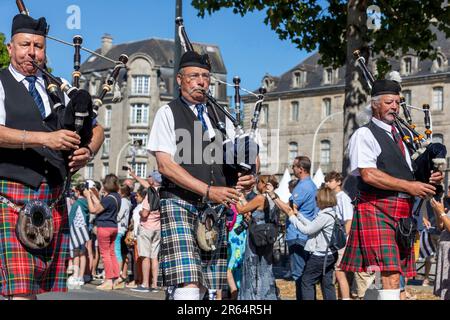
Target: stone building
(310, 98)
(142, 88)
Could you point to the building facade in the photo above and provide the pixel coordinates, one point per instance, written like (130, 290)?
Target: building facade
(128, 111)
(303, 109)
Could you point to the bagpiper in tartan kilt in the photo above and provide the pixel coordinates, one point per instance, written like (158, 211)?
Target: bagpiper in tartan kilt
(372, 245)
(181, 259)
(30, 272)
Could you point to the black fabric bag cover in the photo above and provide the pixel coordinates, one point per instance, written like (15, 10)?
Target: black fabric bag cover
(405, 233)
(153, 199)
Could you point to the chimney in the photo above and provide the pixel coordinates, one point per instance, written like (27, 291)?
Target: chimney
(106, 43)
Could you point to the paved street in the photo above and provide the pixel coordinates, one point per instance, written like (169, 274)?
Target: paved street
(89, 292)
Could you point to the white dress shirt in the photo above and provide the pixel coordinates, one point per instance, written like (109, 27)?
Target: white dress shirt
(40, 86)
(364, 149)
(162, 135)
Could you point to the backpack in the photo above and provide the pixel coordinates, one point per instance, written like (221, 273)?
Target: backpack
(338, 236)
(266, 233)
(337, 241)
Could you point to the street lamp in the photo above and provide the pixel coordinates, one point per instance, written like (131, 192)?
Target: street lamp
(120, 154)
(137, 144)
(315, 136)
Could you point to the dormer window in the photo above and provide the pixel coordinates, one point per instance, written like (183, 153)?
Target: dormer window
(298, 78)
(329, 76)
(268, 83)
(408, 66)
(439, 64)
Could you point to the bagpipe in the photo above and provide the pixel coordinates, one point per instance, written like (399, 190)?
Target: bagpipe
(34, 227)
(427, 156)
(241, 151)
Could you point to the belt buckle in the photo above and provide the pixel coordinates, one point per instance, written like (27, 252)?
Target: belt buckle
(403, 195)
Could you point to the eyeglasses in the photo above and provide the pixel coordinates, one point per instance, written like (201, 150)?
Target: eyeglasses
(195, 76)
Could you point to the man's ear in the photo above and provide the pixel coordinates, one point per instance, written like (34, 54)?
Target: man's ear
(9, 47)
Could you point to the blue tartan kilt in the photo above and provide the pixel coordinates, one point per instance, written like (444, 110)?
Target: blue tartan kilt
(181, 259)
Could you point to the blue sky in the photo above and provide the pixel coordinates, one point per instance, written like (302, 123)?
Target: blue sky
(249, 48)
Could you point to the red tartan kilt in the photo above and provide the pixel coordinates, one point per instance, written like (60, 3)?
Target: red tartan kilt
(32, 272)
(372, 245)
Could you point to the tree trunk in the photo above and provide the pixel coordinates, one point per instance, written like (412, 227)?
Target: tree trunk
(355, 89)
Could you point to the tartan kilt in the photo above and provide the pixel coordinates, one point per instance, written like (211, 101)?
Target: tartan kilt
(372, 245)
(181, 259)
(29, 272)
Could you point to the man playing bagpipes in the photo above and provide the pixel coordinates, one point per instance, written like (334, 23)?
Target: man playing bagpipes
(38, 149)
(387, 186)
(193, 187)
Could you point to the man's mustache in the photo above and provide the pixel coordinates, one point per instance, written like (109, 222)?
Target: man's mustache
(199, 89)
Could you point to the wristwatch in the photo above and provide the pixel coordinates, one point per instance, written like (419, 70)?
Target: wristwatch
(205, 198)
(92, 156)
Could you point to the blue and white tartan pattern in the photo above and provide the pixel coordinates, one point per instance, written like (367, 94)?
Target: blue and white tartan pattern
(181, 260)
(427, 248)
(79, 232)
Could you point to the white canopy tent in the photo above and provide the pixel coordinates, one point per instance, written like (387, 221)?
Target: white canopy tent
(319, 178)
(283, 188)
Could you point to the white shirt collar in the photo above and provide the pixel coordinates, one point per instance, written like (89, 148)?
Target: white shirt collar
(381, 124)
(192, 106)
(20, 77)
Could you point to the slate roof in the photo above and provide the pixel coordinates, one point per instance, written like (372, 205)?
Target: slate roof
(161, 51)
(315, 72)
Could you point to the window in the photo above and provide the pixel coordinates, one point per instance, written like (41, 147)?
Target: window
(140, 169)
(407, 94)
(108, 114)
(89, 171)
(438, 98)
(325, 152)
(293, 152)
(294, 110)
(106, 147)
(93, 87)
(141, 85)
(139, 114)
(139, 136)
(105, 169)
(326, 107)
(408, 66)
(439, 62)
(263, 154)
(298, 78)
(328, 75)
(212, 90)
(264, 114)
(438, 138)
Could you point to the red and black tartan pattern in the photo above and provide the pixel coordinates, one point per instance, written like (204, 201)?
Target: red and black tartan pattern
(181, 260)
(371, 245)
(26, 272)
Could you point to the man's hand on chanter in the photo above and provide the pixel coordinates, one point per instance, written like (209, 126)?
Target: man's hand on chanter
(223, 195)
(62, 140)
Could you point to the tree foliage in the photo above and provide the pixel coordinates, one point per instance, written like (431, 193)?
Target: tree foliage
(335, 28)
(4, 57)
(322, 25)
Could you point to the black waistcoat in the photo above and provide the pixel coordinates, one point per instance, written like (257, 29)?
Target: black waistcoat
(390, 160)
(191, 149)
(32, 165)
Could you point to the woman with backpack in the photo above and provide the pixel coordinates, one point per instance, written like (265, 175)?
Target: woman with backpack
(106, 211)
(320, 265)
(258, 280)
